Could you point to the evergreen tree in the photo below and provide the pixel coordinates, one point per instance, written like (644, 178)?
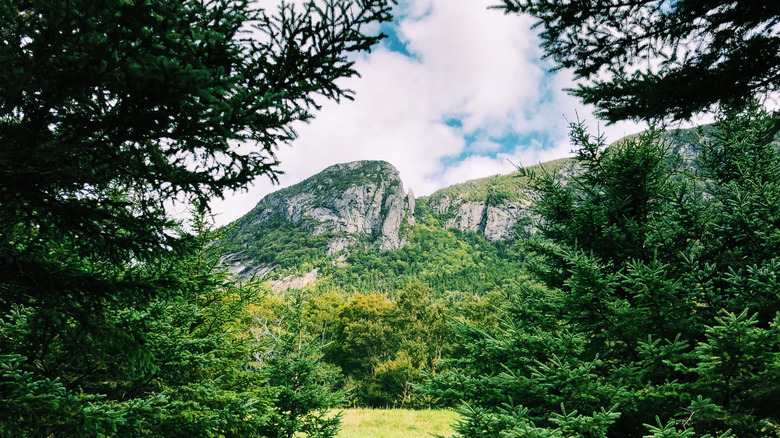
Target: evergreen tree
(109, 111)
(660, 59)
(305, 386)
(173, 366)
(662, 316)
(741, 237)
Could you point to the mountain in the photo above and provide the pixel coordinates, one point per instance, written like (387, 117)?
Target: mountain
(348, 213)
(362, 203)
(362, 199)
(330, 225)
(431, 300)
(496, 207)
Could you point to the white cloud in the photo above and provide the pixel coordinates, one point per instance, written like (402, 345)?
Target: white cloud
(484, 65)
(468, 63)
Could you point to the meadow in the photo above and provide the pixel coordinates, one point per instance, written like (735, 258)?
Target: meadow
(396, 423)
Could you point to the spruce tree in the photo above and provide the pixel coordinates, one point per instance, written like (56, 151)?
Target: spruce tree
(661, 59)
(111, 111)
(660, 316)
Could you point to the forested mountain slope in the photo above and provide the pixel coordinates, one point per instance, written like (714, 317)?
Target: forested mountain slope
(349, 212)
(354, 222)
(398, 291)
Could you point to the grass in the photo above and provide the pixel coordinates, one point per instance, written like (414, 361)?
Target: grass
(396, 423)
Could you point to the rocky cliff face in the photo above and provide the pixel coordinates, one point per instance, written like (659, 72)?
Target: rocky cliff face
(495, 222)
(362, 203)
(362, 200)
(497, 207)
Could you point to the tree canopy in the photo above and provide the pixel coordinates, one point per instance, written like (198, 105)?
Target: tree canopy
(660, 312)
(113, 319)
(661, 59)
(149, 100)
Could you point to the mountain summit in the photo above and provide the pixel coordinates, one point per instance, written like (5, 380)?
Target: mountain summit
(358, 203)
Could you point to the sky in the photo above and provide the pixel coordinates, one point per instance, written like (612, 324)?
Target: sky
(456, 92)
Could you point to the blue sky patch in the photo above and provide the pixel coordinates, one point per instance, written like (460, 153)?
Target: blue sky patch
(393, 43)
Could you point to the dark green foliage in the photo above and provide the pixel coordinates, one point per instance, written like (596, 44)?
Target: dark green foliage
(737, 368)
(660, 59)
(661, 317)
(105, 98)
(515, 422)
(170, 367)
(277, 243)
(304, 385)
(610, 208)
(443, 260)
(741, 237)
(112, 320)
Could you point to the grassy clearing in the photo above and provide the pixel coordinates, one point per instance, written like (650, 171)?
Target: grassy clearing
(396, 423)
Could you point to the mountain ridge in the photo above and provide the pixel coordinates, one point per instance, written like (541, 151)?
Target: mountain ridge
(362, 206)
(343, 206)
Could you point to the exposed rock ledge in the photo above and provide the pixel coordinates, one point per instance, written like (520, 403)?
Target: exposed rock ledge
(494, 222)
(362, 198)
(291, 282)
